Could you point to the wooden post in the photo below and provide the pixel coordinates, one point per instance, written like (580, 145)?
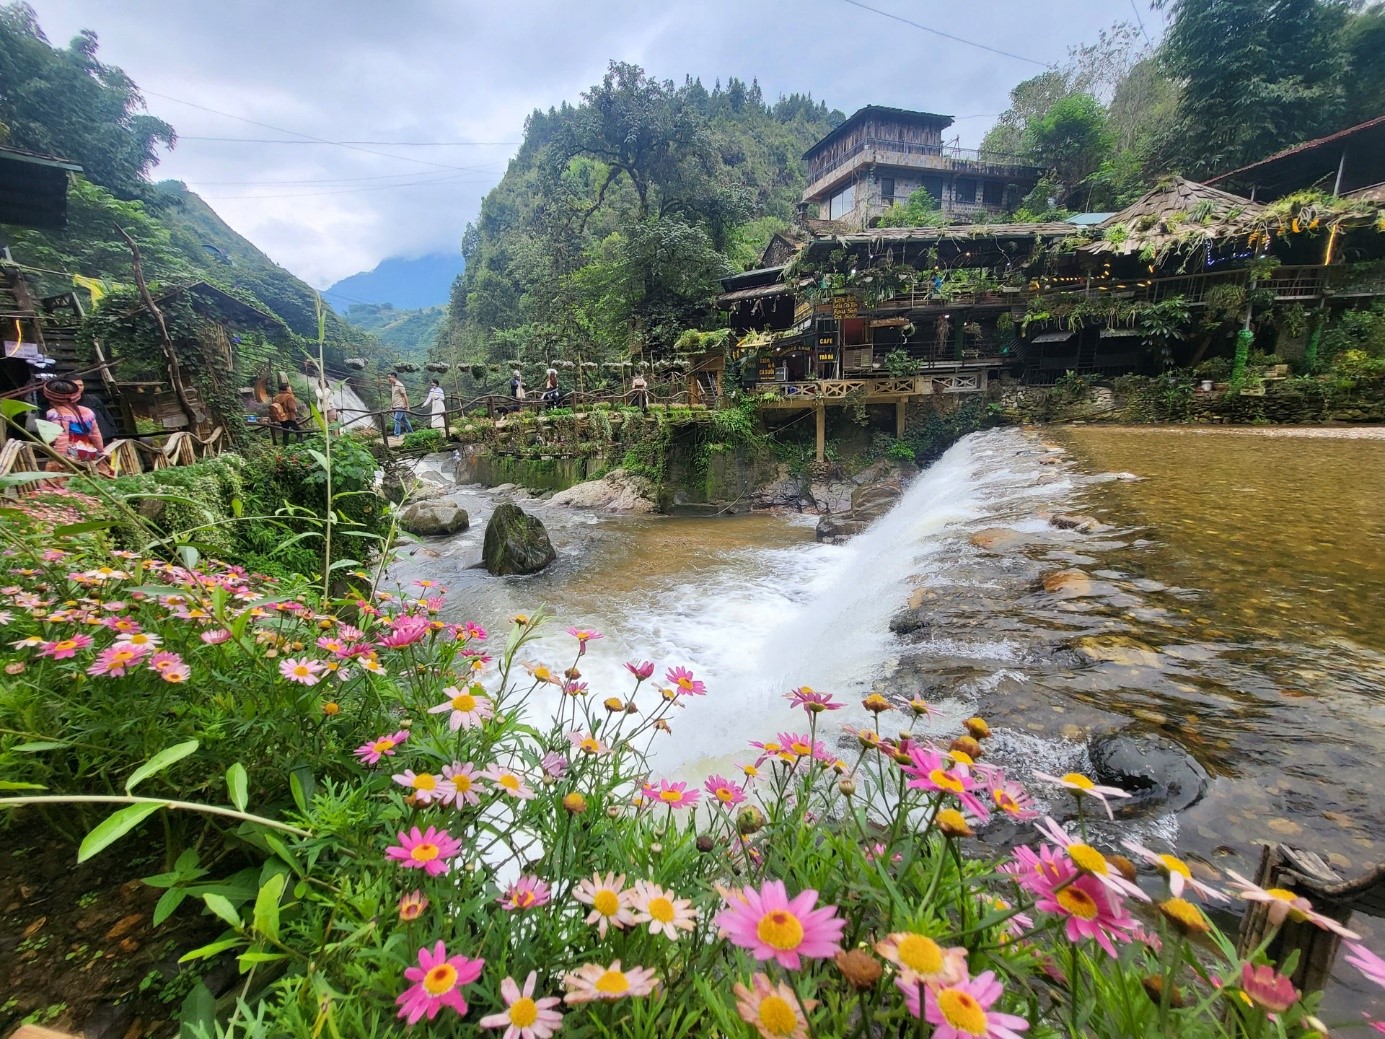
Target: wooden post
(900, 407)
(175, 373)
(820, 414)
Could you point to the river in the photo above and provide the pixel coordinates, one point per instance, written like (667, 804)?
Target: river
(1235, 603)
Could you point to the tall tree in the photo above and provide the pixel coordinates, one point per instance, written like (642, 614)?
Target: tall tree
(67, 102)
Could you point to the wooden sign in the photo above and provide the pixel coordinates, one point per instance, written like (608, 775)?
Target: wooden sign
(844, 307)
(827, 356)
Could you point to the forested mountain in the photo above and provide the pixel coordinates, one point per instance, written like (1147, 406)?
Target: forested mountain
(410, 333)
(416, 284)
(65, 101)
(614, 221)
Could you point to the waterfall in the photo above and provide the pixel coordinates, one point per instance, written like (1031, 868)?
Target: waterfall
(353, 411)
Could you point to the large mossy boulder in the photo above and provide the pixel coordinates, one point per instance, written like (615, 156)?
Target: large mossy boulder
(516, 542)
(428, 519)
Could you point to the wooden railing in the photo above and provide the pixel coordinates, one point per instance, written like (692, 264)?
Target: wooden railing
(123, 457)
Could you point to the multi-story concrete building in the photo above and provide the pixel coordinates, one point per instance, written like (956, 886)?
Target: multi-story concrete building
(880, 156)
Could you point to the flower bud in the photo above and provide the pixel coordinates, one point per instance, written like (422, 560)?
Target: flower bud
(860, 968)
(572, 673)
(705, 844)
(1124, 867)
(750, 820)
(967, 745)
(847, 786)
(952, 823)
(656, 848)
(876, 704)
(575, 803)
(977, 728)
(613, 704)
(331, 708)
(1185, 916)
(613, 812)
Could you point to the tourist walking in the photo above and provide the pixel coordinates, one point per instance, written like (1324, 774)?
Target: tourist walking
(639, 389)
(437, 405)
(399, 401)
(552, 396)
(516, 386)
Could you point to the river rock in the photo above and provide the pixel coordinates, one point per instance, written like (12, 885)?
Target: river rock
(783, 491)
(1069, 584)
(998, 539)
(1152, 769)
(516, 542)
(617, 491)
(1081, 524)
(433, 518)
(1115, 649)
(831, 496)
(836, 530)
(872, 500)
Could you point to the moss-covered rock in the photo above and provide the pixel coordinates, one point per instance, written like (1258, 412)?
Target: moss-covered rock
(516, 542)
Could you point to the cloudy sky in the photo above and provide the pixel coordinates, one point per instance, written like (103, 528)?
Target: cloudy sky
(392, 120)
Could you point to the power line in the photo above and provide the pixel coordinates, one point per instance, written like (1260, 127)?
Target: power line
(1141, 22)
(296, 133)
(446, 179)
(483, 167)
(389, 144)
(947, 36)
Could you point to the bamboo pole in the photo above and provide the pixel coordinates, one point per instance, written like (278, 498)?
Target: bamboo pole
(175, 372)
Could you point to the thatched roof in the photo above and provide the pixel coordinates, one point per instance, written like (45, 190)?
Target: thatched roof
(1177, 214)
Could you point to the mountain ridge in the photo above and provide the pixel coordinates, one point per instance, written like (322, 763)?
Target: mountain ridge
(405, 283)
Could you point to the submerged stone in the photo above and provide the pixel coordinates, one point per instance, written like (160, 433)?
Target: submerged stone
(1153, 770)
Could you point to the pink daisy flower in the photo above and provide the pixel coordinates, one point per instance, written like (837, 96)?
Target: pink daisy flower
(1081, 786)
(583, 636)
(610, 901)
(175, 674)
(438, 980)
(461, 785)
(64, 649)
(425, 787)
(554, 765)
(1284, 904)
(587, 743)
(931, 770)
(407, 631)
(662, 910)
(115, 661)
(771, 926)
(468, 708)
(727, 793)
(963, 1010)
(385, 746)
(1090, 861)
(1179, 875)
(525, 1017)
(215, 637)
(1036, 871)
(302, 670)
(683, 682)
(812, 701)
(1266, 987)
(142, 640)
(1090, 911)
(675, 795)
(428, 851)
(641, 670)
(526, 893)
(473, 632)
(591, 982)
(509, 783)
(1009, 796)
(1367, 962)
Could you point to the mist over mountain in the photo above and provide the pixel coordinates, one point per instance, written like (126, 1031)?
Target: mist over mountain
(403, 283)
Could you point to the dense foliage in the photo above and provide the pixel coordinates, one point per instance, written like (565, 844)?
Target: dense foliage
(411, 333)
(614, 221)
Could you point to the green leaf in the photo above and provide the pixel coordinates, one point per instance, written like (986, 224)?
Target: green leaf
(302, 786)
(7, 784)
(197, 1015)
(320, 458)
(47, 431)
(267, 907)
(237, 784)
(68, 529)
(115, 826)
(12, 408)
(159, 762)
(237, 507)
(222, 907)
(208, 951)
(39, 745)
(249, 959)
(168, 903)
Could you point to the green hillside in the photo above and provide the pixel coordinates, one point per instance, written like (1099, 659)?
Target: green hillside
(411, 333)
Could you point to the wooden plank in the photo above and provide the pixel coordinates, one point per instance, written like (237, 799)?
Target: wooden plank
(820, 421)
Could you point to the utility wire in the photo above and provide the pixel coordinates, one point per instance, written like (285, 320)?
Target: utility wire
(1141, 22)
(445, 179)
(389, 144)
(296, 133)
(483, 167)
(947, 36)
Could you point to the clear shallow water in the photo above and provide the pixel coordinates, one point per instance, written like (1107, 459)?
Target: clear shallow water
(1238, 609)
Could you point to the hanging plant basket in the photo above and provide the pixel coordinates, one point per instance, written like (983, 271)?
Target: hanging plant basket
(478, 372)
(437, 366)
(406, 366)
(356, 364)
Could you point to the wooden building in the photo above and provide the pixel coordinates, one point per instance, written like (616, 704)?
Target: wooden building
(880, 156)
(1351, 161)
(33, 189)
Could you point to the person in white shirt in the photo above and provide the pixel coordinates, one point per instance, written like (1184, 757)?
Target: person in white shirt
(437, 405)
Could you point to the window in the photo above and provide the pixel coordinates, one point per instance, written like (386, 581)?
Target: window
(887, 190)
(965, 189)
(993, 193)
(934, 187)
(842, 203)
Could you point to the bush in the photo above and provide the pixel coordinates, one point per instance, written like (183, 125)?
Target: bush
(423, 439)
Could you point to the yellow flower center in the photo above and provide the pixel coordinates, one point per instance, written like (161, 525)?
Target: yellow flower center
(660, 909)
(962, 1011)
(522, 899)
(777, 1017)
(440, 980)
(613, 983)
(410, 911)
(543, 674)
(725, 793)
(685, 683)
(1078, 903)
(920, 954)
(173, 676)
(381, 746)
(590, 745)
(65, 644)
(1078, 780)
(462, 782)
(780, 929)
(801, 749)
(1173, 865)
(671, 796)
(1183, 913)
(302, 670)
(425, 781)
(944, 780)
(606, 902)
(1088, 859)
(1283, 894)
(423, 852)
(508, 781)
(523, 1012)
(464, 702)
(1005, 802)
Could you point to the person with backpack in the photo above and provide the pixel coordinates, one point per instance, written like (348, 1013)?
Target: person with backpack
(283, 412)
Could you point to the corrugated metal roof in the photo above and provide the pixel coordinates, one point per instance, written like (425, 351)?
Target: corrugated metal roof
(1052, 337)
